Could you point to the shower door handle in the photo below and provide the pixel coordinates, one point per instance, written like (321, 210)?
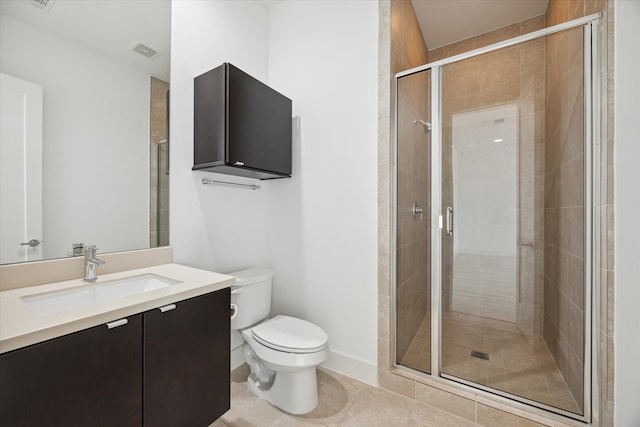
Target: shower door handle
(449, 221)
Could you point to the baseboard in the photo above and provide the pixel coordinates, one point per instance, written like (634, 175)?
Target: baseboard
(353, 367)
(339, 362)
(237, 358)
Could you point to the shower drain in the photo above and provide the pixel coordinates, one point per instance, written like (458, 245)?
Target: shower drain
(479, 355)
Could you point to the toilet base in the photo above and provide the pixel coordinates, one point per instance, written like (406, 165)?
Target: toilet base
(293, 391)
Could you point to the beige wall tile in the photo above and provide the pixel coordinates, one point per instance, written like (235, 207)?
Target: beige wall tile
(557, 12)
(575, 282)
(397, 384)
(488, 416)
(610, 302)
(462, 407)
(384, 354)
(462, 46)
(500, 34)
(594, 6)
(610, 368)
(383, 317)
(610, 238)
(407, 44)
(607, 413)
(532, 24)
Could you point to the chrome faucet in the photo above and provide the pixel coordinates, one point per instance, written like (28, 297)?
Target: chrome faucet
(91, 263)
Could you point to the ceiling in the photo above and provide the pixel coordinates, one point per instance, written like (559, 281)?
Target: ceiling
(113, 26)
(110, 27)
(447, 21)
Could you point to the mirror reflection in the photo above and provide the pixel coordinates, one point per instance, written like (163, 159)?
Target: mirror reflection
(83, 126)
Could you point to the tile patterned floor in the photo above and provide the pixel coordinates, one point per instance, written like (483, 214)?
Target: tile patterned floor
(344, 402)
(517, 364)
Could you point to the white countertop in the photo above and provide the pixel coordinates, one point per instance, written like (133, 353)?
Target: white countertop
(20, 326)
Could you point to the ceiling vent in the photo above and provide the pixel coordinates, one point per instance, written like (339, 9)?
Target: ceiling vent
(145, 50)
(45, 5)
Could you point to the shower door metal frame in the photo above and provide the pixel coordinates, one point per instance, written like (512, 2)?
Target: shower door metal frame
(592, 116)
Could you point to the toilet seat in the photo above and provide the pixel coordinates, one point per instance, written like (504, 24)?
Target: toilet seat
(291, 335)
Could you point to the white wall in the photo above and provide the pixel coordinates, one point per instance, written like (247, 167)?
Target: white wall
(323, 221)
(213, 227)
(317, 229)
(485, 182)
(627, 212)
(96, 139)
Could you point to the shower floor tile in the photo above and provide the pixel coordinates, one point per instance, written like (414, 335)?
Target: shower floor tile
(517, 364)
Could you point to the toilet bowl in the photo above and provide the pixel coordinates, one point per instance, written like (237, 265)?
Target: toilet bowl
(283, 351)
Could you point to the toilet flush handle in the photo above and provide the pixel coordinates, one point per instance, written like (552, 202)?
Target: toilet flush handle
(236, 289)
(233, 311)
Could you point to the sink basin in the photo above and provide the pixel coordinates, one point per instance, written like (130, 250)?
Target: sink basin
(83, 296)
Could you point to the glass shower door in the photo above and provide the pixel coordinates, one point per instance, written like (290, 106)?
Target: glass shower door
(512, 255)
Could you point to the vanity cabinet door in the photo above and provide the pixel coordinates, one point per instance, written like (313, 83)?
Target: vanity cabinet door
(187, 361)
(87, 378)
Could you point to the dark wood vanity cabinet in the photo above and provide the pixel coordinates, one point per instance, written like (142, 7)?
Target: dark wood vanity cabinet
(241, 126)
(87, 378)
(187, 362)
(166, 368)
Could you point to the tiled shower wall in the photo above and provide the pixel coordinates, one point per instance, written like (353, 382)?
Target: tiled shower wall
(159, 180)
(424, 388)
(560, 11)
(564, 193)
(564, 207)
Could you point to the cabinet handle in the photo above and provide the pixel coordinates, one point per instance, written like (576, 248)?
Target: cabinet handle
(239, 163)
(117, 323)
(167, 308)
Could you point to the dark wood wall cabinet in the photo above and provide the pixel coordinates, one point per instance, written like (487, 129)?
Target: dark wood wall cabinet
(241, 126)
(164, 367)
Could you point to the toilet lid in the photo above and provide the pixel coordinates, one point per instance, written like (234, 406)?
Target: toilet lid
(290, 334)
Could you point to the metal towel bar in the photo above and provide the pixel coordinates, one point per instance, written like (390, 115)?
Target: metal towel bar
(206, 181)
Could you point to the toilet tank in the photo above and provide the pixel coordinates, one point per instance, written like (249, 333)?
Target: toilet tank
(252, 296)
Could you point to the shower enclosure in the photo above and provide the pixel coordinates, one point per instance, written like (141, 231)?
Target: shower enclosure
(159, 164)
(493, 199)
(159, 210)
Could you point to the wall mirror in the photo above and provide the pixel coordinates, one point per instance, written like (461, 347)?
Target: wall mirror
(84, 126)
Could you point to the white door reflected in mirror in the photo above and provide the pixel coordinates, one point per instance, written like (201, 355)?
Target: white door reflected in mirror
(20, 151)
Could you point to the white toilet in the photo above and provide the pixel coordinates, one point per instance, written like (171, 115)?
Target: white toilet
(283, 351)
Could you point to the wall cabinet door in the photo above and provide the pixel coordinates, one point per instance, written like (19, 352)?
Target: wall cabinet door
(88, 378)
(241, 126)
(187, 361)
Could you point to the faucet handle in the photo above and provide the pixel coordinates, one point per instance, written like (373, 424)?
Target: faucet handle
(91, 262)
(90, 255)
